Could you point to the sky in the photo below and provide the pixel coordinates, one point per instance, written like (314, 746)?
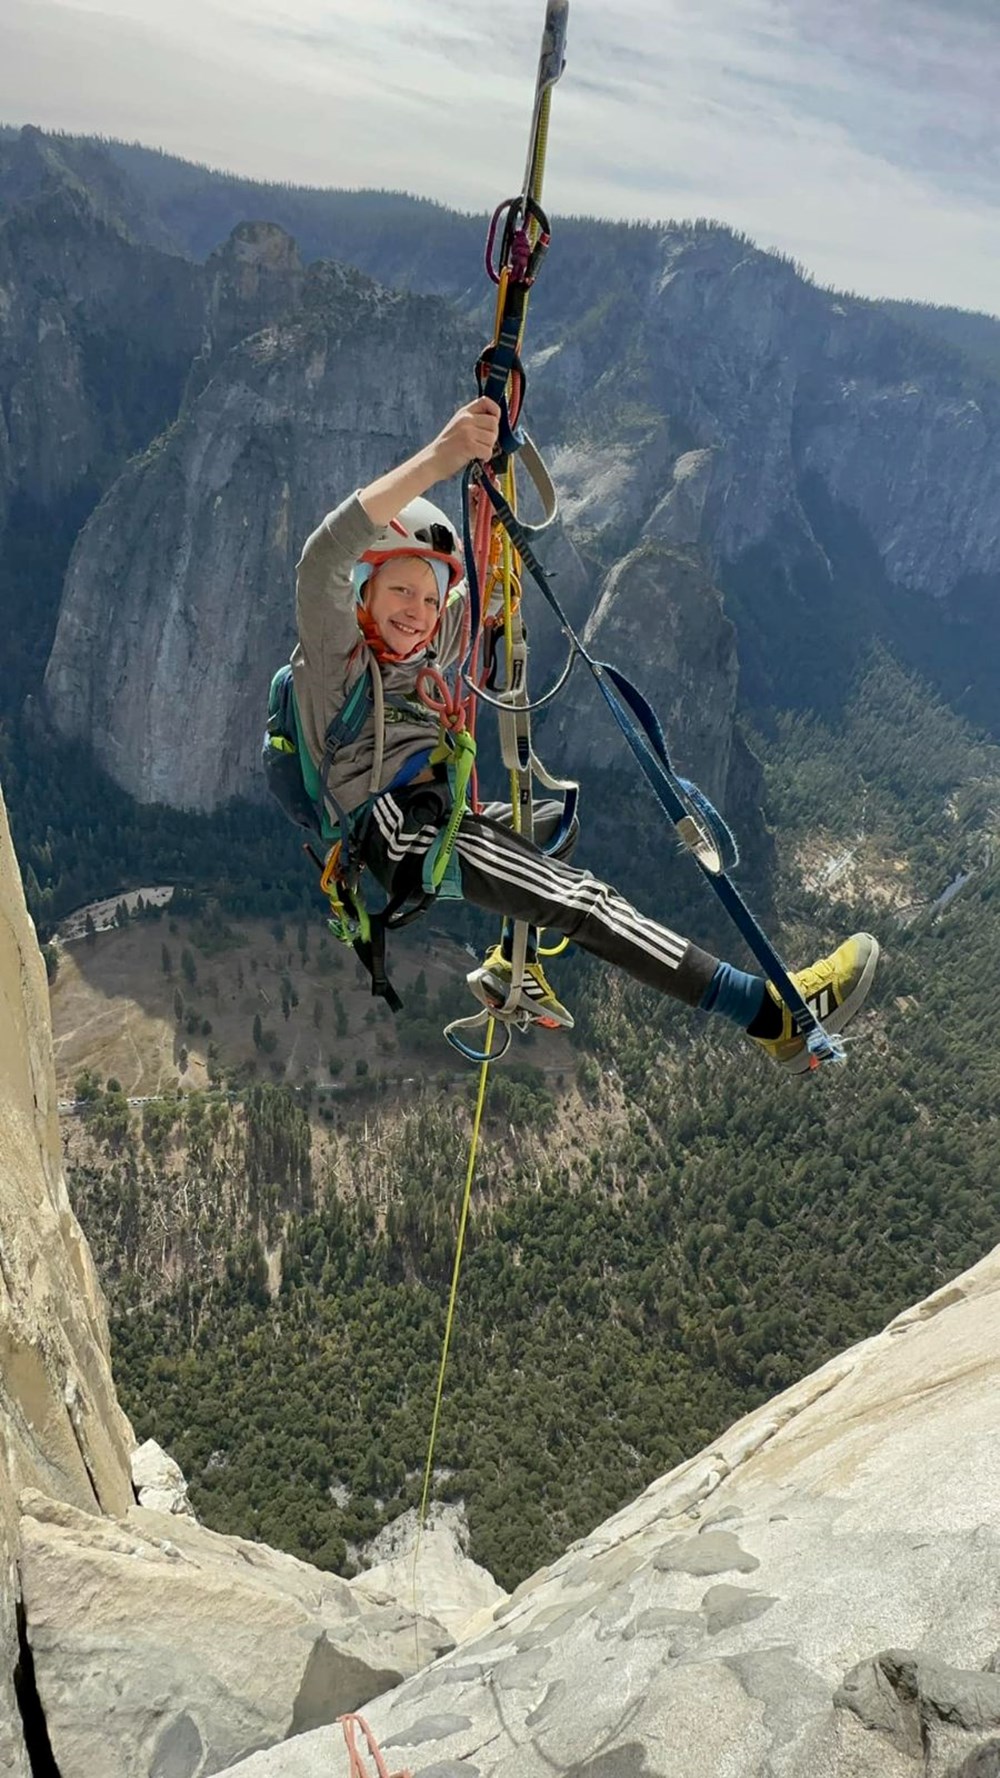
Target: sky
(860, 136)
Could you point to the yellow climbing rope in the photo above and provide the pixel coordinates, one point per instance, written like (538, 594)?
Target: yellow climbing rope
(452, 1300)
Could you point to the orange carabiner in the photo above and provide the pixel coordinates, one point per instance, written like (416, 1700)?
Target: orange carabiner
(328, 881)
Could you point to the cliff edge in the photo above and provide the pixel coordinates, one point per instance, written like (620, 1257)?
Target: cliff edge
(814, 1596)
(63, 1430)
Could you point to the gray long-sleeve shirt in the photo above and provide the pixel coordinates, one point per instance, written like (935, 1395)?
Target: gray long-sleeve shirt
(331, 655)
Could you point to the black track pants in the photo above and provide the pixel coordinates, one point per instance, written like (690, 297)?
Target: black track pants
(506, 874)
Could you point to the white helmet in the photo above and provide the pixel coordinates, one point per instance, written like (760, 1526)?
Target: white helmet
(421, 529)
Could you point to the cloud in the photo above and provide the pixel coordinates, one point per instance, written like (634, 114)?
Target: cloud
(860, 137)
(916, 85)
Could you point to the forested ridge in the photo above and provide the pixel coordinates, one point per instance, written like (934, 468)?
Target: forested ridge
(656, 1245)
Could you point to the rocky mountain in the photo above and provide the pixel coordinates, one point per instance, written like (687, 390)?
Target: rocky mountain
(850, 488)
(179, 599)
(833, 469)
(103, 336)
(97, 331)
(837, 470)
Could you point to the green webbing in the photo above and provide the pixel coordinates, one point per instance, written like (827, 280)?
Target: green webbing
(439, 859)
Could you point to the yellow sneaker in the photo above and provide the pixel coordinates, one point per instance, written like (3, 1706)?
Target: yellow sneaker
(834, 989)
(491, 984)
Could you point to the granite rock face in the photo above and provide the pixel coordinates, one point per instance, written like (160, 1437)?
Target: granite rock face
(61, 1428)
(945, 1716)
(437, 1572)
(836, 468)
(724, 422)
(162, 1648)
(660, 615)
(102, 331)
(179, 599)
(158, 1649)
(740, 378)
(814, 1596)
(691, 391)
(97, 333)
(256, 279)
(158, 1481)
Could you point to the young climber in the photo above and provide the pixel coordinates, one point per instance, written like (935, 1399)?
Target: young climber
(379, 585)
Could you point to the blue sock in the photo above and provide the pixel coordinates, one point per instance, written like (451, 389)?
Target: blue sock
(735, 994)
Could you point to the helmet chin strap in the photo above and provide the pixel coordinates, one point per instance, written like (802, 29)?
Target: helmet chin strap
(362, 575)
(377, 643)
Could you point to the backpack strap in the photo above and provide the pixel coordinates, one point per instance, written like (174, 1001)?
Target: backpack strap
(344, 728)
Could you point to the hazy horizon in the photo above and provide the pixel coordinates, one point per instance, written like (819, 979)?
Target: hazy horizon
(862, 140)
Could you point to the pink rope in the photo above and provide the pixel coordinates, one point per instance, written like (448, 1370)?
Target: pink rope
(436, 695)
(358, 1769)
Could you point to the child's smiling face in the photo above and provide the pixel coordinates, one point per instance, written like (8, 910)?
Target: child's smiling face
(402, 600)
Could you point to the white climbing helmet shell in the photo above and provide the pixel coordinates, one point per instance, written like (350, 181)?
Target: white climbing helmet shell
(421, 529)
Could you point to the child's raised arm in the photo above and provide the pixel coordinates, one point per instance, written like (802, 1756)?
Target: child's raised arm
(471, 434)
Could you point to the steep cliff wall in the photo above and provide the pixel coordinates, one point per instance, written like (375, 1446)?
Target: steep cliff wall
(835, 472)
(61, 1427)
(255, 279)
(840, 472)
(660, 615)
(96, 334)
(99, 331)
(179, 600)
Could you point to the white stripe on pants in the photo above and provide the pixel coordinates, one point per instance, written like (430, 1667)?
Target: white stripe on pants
(508, 875)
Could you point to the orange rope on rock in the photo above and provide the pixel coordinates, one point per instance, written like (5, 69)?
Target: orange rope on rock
(358, 1769)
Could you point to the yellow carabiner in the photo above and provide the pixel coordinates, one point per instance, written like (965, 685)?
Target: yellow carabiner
(552, 950)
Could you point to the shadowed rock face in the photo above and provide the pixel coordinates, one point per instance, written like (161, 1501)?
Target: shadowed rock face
(730, 1620)
(96, 337)
(838, 471)
(179, 600)
(256, 279)
(739, 378)
(660, 616)
(928, 1710)
(100, 330)
(733, 429)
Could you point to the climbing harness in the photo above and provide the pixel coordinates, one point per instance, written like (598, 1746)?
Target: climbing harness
(336, 848)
